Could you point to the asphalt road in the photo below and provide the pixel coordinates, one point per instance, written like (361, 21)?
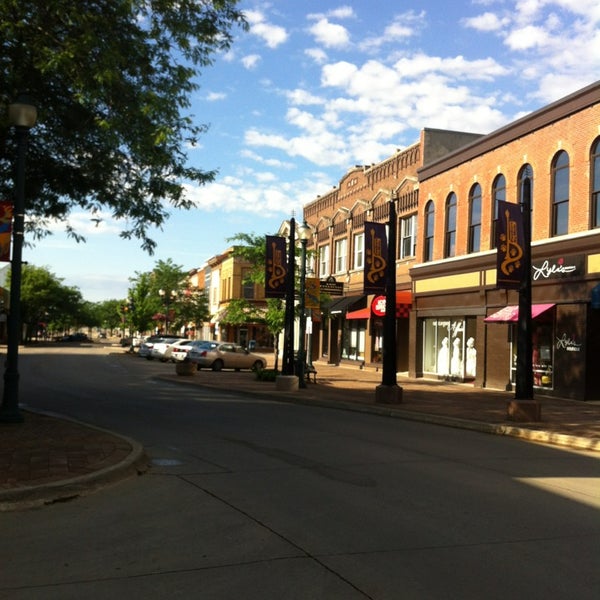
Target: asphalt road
(250, 499)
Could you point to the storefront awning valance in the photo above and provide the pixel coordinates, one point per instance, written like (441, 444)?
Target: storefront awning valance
(362, 313)
(342, 304)
(510, 314)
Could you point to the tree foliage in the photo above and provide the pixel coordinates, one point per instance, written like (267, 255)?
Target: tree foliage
(113, 81)
(46, 303)
(148, 307)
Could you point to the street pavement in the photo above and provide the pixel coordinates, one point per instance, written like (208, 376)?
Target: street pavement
(48, 458)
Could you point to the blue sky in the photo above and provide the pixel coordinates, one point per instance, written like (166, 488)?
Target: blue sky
(315, 87)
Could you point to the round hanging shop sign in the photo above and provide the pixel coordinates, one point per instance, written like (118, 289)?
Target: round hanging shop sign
(378, 306)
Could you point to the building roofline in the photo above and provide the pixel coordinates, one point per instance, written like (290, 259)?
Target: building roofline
(583, 98)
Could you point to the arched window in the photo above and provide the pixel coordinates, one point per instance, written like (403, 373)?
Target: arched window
(429, 228)
(595, 164)
(475, 218)
(450, 236)
(526, 172)
(498, 194)
(560, 194)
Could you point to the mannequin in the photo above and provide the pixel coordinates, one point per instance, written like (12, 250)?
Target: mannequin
(456, 364)
(443, 362)
(471, 358)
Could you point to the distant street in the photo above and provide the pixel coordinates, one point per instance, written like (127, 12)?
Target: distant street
(250, 499)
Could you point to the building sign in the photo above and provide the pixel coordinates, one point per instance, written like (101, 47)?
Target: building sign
(275, 267)
(331, 287)
(510, 241)
(378, 306)
(558, 268)
(375, 258)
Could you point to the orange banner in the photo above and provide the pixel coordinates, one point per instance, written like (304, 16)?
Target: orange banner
(6, 215)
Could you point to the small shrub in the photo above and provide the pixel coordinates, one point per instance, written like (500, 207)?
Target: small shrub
(266, 374)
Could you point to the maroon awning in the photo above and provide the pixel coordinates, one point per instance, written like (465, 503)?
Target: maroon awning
(510, 314)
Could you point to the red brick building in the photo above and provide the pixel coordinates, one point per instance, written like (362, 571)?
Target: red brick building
(456, 328)
(345, 330)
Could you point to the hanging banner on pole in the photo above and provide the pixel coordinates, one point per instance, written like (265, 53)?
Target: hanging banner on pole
(275, 267)
(6, 216)
(510, 240)
(312, 298)
(376, 251)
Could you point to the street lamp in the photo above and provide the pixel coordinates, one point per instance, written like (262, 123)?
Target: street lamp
(22, 114)
(167, 297)
(287, 367)
(304, 233)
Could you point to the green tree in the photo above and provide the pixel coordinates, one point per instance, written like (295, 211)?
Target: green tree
(113, 81)
(147, 303)
(193, 308)
(45, 300)
(108, 316)
(253, 248)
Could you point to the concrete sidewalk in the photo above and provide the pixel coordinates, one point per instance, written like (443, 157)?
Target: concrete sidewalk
(48, 459)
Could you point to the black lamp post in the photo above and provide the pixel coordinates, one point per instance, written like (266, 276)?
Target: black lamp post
(167, 297)
(303, 235)
(389, 391)
(524, 374)
(287, 368)
(22, 115)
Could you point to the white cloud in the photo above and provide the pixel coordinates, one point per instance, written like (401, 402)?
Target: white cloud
(250, 61)
(330, 34)
(215, 96)
(526, 38)
(486, 22)
(317, 54)
(303, 97)
(272, 35)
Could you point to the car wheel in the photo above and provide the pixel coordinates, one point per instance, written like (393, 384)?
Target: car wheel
(217, 365)
(257, 366)
(148, 358)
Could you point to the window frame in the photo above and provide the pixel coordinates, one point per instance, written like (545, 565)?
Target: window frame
(474, 225)
(429, 231)
(450, 225)
(498, 194)
(561, 172)
(595, 185)
(408, 236)
(341, 255)
(324, 264)
(358, 250)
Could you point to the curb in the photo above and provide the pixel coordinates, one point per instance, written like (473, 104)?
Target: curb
(531, 435)
(67, 489)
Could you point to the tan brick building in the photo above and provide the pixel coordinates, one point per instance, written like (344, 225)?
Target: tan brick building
(454, 276)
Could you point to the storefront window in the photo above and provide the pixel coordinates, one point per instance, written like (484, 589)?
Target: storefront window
(353, 339)
(449, 348)
(542, 356)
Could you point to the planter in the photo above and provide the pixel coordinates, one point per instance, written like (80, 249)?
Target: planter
(185, 368)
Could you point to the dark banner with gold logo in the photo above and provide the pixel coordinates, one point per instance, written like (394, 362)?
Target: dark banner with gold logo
(375, 258)
(275, 267)
(510, 240)
(6, 215)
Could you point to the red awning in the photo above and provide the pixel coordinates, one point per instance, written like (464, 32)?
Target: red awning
(403, 304)
(510, 314)
(363, 313)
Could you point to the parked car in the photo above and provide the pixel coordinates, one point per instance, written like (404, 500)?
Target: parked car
(148, 344)
(217, 356)
(178, 351)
